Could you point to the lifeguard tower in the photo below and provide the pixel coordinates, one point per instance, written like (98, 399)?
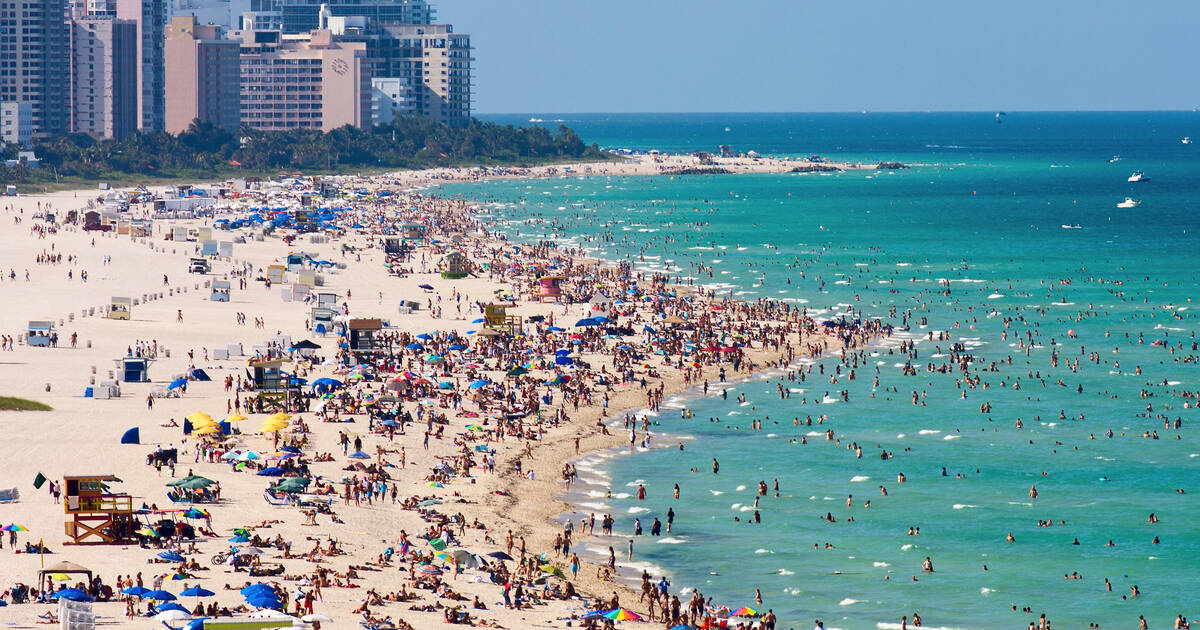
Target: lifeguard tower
(393, 246)
(120, 308)
(550, 288)
(364, 336)
(413, 232)
(270, 381)
(38, 333)
(295, 262)
(97, 517)
(453, 265)
(220, 291)
(496, 317)
(321, 319)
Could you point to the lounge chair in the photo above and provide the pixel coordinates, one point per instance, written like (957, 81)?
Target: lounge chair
(9, 495)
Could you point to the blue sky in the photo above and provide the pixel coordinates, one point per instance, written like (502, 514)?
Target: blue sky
(831, 55)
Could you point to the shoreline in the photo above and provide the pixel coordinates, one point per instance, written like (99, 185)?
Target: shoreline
(526, 509)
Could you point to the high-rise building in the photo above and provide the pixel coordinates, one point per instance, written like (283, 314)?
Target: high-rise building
(16, 123)
(390, 97)
(34, 46)
(203, 76)
(302, 16)
(433, 60)
(303, 81)
(151, 19)
(103, 83)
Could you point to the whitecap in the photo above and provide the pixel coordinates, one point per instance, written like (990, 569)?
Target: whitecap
(848, 601)
(959, 506)
(740, 488)
(928, 432)
(763, 551)
(858, 478)
(716, 493)
(671, 541)
(906, 547)
(951, 437)
(637, 510)
(785, 572)
(985, 590)
(880, 564)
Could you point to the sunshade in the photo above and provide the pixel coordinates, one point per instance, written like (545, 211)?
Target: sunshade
(197, 591)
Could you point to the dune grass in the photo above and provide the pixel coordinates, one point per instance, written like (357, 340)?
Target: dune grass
(10, 403)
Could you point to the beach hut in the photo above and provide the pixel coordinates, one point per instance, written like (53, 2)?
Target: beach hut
(39, 333)
(327, 300)
(208, 247)
(306, 277)
(120, 308)
(453, 265)
(550, 288)
(96, 515)
(496, 317)
(134, 369)
(393, 246)
(268, 375)
(295, 262)
(413, 232)
(364, 335)
(322, 316)
(276, 274)
(220, 291)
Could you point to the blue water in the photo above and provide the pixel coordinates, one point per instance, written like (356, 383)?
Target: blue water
(982, 214)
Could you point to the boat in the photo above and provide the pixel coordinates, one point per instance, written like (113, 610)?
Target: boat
(1129, 202)
(1115, 159)
(1186, 140)
(1075, 226)
(1138, 177)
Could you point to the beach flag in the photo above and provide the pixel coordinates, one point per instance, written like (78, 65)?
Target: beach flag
(39, 480)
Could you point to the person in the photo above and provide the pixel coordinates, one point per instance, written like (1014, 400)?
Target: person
(927, 565)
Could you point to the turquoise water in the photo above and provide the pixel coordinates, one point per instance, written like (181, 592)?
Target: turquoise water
(981, 214)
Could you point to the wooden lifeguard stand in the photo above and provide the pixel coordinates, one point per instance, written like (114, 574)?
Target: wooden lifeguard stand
(270, 381)
(453, 265)
(97, 517)
(496, 317)
(276, 274)
(120, 308)
(550, 288)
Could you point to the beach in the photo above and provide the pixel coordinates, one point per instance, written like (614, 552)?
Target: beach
(174, 322)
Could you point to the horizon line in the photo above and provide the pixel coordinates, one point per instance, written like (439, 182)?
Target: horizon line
(858, 112)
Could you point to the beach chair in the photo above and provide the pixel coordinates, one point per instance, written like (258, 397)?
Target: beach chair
(377, 626)
(276, 501)
(9, 495)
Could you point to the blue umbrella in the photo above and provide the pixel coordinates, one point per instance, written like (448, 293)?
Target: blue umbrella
(264, 601)
(327, 382)
(358, 455)
(478, 384)
(239, 539)
(197, 591)
(177, 383)
(171, 556)
(169, 606)
(602, 319)
(554, 329)
(414, 346)
(477, 321)
(260, 587)
(159, 595)
(425, 336)
(273, 471)
(390, 423)
(196, 623)
(457, 346)
(136, 591)
(587, 321)
(73, 594)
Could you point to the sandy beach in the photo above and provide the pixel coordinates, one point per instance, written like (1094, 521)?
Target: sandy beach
(175, 321)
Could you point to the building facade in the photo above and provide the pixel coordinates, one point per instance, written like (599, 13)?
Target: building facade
(103, 84)
(303, 81)
(151, 19)
(390, 98)
(16, 123)
(34, 52)
(203, 76)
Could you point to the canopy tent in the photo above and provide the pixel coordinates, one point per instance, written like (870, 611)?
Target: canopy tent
(69, 568)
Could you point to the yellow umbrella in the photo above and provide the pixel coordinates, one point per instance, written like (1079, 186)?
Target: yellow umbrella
(237, 417)
(207, 430)
(200, 417)
(280, 416)
(270, 426)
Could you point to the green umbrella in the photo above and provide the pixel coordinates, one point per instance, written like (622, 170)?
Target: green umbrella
(194, 482)
(292, 484)
(437, 543)
(518, 371)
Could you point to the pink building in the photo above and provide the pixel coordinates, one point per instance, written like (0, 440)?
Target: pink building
(303, 81)
(203, 76)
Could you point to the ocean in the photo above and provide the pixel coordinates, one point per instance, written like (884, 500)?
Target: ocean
(1006, 237)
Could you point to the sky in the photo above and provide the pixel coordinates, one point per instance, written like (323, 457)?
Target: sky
(574, 56)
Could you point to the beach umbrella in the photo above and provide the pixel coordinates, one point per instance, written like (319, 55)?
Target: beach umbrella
(250, 551)
(429, 569)
(474, 427)
(239, 539)
(197, 623)
(173, 615)
(552, 570)
(478, 384)
(316, 617)
(177, 383)
(194, 483)
(247, 456)
(434, 484)
(587, 321)
(457, 346)
(263, 601)
(195, 513)
(169, 606)
(237, 417)
(159, 596)
(595, 614)
(429, 502)
(259, 587)
(292, 484)
(745, 611)
(414, 346)
(146, 531)
(136, 591)
(517, 371)
(197, 591)
(425, 336)
(683, 626)
(555, 329)
(271, 426)
(208, 429)
(200, 418)
(171, 556)
(13, 527)
(437, 543)
(73, 594)
(273, 471)
(358, 455)
(390, 423)
(622, 614)
(279, 415)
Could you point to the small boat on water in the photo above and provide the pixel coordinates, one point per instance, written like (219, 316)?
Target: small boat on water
(1072, 227)
(1129, 202)
(1115, 159)
(1186, 140)
(1138, 177)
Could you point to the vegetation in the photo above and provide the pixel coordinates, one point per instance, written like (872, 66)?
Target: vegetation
(9, 403)
(204, 150)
